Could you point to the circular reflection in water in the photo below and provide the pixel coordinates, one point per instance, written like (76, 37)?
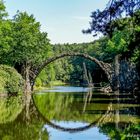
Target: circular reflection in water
(70, 114)
(81, 115)
(70, 106)
(82, 133)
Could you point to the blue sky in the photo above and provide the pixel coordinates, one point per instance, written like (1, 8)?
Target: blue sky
(63, 20)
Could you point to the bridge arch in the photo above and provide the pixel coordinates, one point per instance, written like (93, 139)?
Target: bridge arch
(106, 67)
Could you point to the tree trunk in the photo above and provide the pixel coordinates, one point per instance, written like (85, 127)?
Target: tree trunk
(28, 88)
(117, 71)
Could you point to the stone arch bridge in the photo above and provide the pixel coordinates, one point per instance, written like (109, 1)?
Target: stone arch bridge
(106, 67)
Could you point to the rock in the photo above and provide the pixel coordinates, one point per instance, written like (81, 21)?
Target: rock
(128, 77)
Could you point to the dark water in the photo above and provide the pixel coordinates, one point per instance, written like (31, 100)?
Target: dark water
(70, 113)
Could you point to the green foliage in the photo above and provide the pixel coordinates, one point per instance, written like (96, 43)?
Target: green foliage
(46, 77)
(65, 107)
(5, 38)
(124, 41)
(118, 44)
(129, 132)
(10, 80)
(14, 124)
(22, 45)
(29, 44)
(5, 33)
(70, 69)
(136, 56)
(3, 13)
(38, 82)
(10, 109)
(3, 76)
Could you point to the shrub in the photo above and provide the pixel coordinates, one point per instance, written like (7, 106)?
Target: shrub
(10, 80)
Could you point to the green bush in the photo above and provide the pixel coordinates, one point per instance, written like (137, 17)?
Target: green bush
(10, 80)
(2, 81)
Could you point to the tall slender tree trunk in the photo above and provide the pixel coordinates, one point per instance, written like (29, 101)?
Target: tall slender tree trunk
(117, 72)
(28, 87)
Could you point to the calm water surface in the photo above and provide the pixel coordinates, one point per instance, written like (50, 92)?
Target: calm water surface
(70, 113)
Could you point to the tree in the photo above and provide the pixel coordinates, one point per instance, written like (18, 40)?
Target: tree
(3, 12)
(26, 47)
(5, 33)
(112, 22)
(30, 47)
(102, 21)
(30, 44)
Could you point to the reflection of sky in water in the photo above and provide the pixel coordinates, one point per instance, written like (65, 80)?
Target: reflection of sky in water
(67, 89)
(89, 134)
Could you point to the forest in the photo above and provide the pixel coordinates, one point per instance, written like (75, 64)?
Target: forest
(23, 47)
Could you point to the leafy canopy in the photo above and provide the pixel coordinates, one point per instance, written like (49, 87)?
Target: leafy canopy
(102, 21)
(30, 45)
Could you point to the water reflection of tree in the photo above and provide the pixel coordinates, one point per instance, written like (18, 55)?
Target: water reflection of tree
(53, 106)
(10, 108)
(110, 120)
(126, 131)
(59, 107)
(117, 129)
(21, 131)
(68, 107)
(20, 123)
(65, 107)
(110, 123)
(87, 98)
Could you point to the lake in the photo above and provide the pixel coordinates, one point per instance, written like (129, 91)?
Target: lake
(70, 113)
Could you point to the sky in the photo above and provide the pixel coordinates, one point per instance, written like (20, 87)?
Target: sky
(63, 20)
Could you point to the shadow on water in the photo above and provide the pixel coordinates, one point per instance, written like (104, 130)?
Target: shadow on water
(69, 115)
